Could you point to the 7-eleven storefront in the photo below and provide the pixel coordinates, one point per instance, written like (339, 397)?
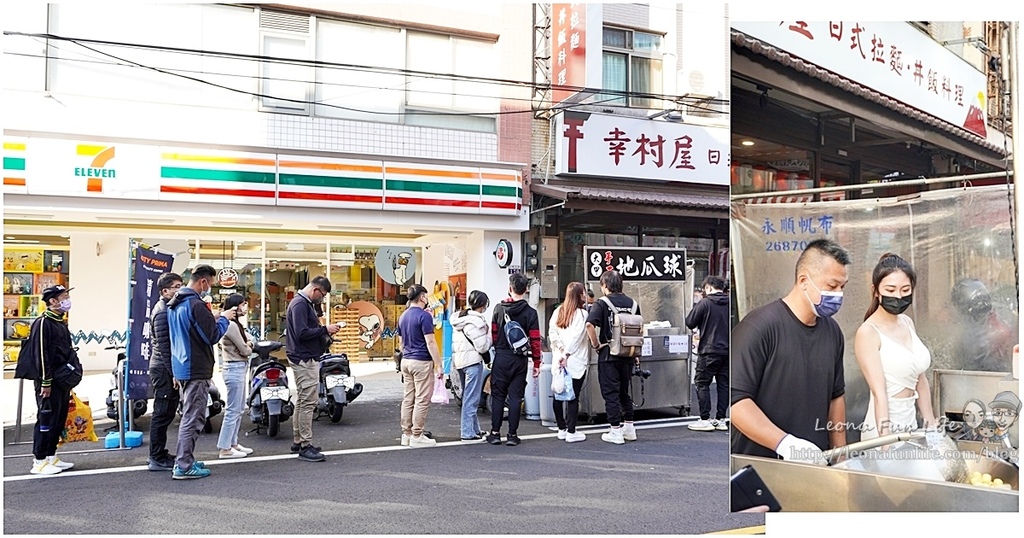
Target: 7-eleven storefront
(270, 219)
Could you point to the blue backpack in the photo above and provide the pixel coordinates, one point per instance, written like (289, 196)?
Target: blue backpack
(516, 336)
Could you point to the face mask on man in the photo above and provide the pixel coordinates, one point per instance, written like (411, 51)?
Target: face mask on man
(896, 305)
(65, 305)
(830, 302)
(206, 292)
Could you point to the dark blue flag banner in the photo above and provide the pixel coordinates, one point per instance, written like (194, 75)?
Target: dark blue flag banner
(149, 265)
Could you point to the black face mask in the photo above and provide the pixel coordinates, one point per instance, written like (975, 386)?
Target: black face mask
(896, 305)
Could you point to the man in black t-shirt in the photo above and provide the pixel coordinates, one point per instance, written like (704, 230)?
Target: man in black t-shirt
(787, 365)
(613, 372)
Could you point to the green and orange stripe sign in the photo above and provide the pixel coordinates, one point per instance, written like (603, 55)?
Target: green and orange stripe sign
(14, 166)
(230, 176)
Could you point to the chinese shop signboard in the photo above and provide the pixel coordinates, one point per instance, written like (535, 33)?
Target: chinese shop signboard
(893, 58)
(568, 49)
(623, 147)
(636, 264)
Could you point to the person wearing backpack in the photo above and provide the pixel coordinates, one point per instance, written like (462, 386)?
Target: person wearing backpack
(614, 370)
(515, 330)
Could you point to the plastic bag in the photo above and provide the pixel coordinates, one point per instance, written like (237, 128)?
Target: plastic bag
(568, 393)
(558, 381)
(440, 395)
(79, 424)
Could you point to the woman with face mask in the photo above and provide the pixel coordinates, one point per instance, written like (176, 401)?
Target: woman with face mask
(236, 346)
(891, 356)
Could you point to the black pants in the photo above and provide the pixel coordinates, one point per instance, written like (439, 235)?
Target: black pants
(508, 386)
(566, 413)
(708, 367)
(165, 405)
(44, 444)
(614, 375)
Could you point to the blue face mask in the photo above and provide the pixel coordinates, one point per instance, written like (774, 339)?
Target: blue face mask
(830, 302)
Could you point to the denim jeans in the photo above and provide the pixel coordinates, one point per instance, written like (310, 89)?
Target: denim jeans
(234, 380)
(472, 382)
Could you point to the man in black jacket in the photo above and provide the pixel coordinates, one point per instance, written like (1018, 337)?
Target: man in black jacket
(508, 370)
(711, 316)
(304, 337)
(193, 330)
(48, 348)
(165, 396)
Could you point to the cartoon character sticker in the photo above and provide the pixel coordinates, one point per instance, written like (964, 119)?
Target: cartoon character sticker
(395, 265)
(371, 323)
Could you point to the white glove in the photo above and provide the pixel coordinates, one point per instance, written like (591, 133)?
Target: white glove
(793, 448)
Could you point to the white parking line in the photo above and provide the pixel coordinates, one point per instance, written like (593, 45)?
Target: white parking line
(643, 425)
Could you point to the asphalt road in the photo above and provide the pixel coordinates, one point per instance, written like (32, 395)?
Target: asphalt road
(670, 481)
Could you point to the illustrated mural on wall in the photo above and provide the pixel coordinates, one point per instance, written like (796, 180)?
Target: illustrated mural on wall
(395, 265)
(371, 323)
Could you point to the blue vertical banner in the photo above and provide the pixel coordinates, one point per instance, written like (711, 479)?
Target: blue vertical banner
(148, 267)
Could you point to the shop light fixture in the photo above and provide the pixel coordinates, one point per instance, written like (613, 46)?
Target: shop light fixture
(442, 232)
(162, 213)
(136, 220)
(9, 237)
(747, 143)
(33, 241)
(349, 228)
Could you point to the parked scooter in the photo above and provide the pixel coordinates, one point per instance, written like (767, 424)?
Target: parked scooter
(269, 398)
(455, 383)
(214, 403)
(337, 386)
(139, 407)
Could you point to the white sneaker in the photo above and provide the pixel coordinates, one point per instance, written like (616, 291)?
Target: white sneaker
(231, 454)
(62, 465)
(628, 431)
(614, 435)
(575, 437)
(44, 467)
(562, 433)
(702, 426)
(405, 440)
(722, 425)
(421, 441)
(241, 448)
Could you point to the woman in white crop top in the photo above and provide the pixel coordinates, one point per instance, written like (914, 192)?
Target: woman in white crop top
(891, 356)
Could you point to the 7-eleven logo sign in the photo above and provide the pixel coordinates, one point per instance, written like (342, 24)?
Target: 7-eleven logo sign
(97, 169)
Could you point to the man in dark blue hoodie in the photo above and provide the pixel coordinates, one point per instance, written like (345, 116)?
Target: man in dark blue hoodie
(711, 317)
(193, 330)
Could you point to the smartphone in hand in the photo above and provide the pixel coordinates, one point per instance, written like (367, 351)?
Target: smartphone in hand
(747, 490)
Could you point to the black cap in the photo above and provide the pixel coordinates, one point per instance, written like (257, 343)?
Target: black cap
(53, 291)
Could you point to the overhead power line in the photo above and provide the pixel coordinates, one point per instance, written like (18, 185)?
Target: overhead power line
(698, 103)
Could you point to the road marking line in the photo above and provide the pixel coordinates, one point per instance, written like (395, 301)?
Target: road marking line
(645, 425)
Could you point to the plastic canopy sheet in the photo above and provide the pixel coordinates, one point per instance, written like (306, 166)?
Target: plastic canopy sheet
(958, 241)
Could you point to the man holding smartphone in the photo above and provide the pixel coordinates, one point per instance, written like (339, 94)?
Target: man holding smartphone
(304, 336)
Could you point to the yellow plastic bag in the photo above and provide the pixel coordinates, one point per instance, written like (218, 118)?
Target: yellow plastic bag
(79, 424)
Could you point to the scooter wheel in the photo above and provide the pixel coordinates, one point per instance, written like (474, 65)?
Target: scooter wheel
(335, 411)
(273, 426)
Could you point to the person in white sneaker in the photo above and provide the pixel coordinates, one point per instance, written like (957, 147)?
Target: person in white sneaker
(235, 346)
(711, 316)
(567, 337)
(48, 348)
(421, 364)
(613, 372)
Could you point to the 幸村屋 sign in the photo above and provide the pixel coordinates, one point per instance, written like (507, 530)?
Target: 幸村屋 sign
(623, 147)
(893, 58)
(636, 264)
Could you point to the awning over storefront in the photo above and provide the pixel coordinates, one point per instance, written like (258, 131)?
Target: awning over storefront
(648, 201)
